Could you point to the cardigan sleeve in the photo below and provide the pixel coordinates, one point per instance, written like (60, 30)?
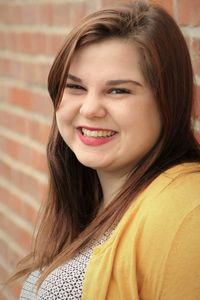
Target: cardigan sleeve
(181, 278)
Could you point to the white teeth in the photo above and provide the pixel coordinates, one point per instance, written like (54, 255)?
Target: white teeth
(97, 133)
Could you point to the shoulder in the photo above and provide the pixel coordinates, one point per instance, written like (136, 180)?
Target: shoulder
(168, 230)
(166, 202)
(169, 205)
(176, 192)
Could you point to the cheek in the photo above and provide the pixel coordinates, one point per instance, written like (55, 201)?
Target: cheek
(65, 113)
(62, 121)
(65, 119)
(60, 124)
(60, 116)
(144, 122)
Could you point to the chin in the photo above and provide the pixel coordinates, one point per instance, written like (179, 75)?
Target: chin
(92, 164)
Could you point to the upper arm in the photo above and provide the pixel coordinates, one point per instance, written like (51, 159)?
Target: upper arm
(181, 278)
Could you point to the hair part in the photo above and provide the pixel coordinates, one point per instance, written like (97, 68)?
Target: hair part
(72, 214)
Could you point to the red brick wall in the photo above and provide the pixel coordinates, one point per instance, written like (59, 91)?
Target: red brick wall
(31, 32)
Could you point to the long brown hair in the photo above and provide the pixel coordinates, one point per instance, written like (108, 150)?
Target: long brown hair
(71, 216)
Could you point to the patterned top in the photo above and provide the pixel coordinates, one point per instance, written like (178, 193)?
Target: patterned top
(65, 282)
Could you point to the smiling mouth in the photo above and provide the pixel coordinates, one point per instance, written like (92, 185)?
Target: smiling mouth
(97, 133)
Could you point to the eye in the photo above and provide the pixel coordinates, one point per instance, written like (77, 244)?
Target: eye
(74, 86)
(119, 91)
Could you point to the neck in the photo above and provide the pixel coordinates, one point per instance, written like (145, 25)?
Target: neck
(111, 185)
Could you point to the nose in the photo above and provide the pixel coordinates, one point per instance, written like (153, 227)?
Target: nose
(92, 106)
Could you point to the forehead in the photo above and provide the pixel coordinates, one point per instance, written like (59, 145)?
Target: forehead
(108, 58)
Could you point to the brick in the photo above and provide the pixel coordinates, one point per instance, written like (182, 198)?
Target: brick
(55, 42)
(12, 13)
(4, 273)
(188, 12)
(54, 13)
(7, 253)
(197, 136)
(33, 73)
(39, 131)
(168, 5)
(24, 182)
(196, 46)
(32, 43)
(2, 40)
(26, 42)
(21, 97)
(196, 108)
(196, 66)
(36, 130)
(24, 209)
(13, 122)
(16, 289)
(31, 100)
(18, 234)
(5, 171)
(5, 13)
(195, 16)
(5, 65)
(195, 55)
(26, 110)
(4, 250)
(29, 13)
(107, 3)
(25, 154)
(68, 13)
(12, 41)
(45, 14)
(4, 92)
(29, 184)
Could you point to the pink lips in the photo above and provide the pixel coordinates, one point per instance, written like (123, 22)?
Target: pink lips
(94, 141)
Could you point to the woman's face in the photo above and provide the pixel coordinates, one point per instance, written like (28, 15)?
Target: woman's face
(108, 115)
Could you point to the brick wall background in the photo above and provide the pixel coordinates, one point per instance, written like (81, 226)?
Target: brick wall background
(31, 33)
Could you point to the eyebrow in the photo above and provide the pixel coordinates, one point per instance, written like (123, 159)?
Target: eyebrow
(110, 82)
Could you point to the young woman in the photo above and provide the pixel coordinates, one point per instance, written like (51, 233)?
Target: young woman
(122, 219)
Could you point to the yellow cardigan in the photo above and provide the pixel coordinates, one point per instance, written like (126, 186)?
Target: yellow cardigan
(154, 253)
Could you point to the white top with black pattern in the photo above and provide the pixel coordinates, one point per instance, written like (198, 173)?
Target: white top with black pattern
(66, 281)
